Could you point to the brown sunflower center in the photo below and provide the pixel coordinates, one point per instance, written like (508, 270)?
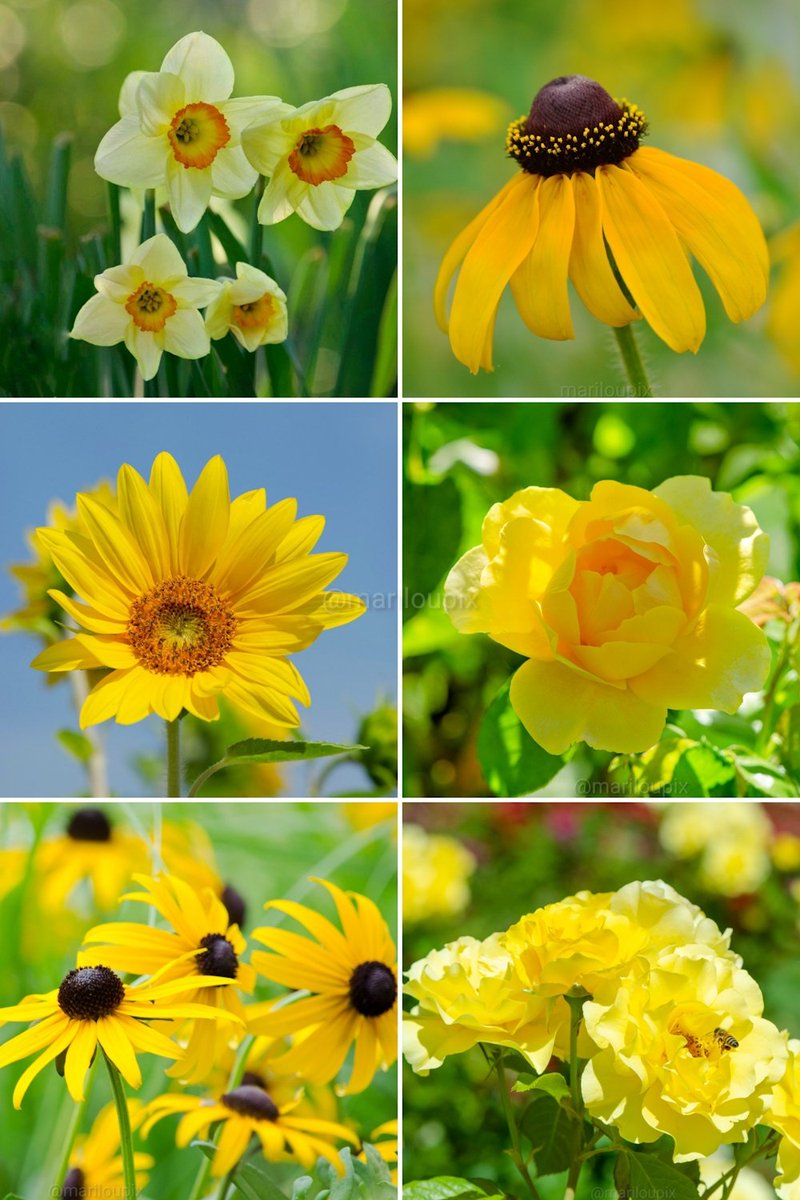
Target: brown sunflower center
(180, 627)
(218, 957)
(235, 905)
(574, 125)
(250, 1101)
(74, 1186)
(89, 993)
(89, 825)
(373, 989)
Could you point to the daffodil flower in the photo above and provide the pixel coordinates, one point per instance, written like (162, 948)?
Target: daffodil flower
(151, 305)
(252, 307)
(179, 129)
(319, 155)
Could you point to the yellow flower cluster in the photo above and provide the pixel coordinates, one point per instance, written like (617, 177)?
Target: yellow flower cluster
(736, 844)
(436, 871)
(672, 1026)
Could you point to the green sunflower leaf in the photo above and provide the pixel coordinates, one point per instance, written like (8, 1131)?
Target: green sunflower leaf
(275, 751)
(513, 764)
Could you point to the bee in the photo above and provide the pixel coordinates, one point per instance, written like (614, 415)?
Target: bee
(707, 1045)
(724, 1040)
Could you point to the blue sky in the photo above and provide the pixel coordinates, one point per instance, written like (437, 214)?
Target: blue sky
(338, 459)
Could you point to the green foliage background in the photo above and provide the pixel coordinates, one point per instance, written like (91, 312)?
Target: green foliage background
(534, 854)
(462, 458)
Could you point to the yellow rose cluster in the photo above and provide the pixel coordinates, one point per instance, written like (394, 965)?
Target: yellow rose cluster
(672, 1030)
(624, 605)
(436, 871)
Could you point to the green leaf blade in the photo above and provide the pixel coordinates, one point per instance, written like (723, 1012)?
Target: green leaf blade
(513, 764)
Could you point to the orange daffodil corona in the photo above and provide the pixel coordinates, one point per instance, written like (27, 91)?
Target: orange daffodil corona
(619, 220)
(624, 605)
(252, 307)
(185, 597)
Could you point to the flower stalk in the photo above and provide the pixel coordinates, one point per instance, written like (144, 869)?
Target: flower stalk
(125, 1136)
(511, 1120)
(632, 361)
(76, 1119)
(237, 1071)
(174, 757)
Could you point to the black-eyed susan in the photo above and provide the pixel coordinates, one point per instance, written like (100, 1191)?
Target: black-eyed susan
(352, 974)
(249, 1111)
(93, 1008)
(190, 596)
(199, 944)
(92, 849)
(620, 220)
(95, 1165)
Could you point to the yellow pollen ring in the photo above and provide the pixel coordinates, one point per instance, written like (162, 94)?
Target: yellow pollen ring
(197, 133)
(321, 154)
(180, 627)
(257, 314)
(151, 307)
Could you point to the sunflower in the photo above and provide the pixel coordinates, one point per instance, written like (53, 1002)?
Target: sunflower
(249, 1111)
(95, 1166)
(92, 1007)
(620, 221)
(189, 596)
(353, 977)
(201, 942)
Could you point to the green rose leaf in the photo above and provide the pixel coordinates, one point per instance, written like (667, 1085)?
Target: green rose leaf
(553, 1084)
(513, 764)
(552, 1132)
(427, 559)
(651, 1177)
(444, 1187)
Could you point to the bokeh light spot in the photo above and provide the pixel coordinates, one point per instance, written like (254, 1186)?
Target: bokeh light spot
(12, 36)
(91, 32)
(287, 23)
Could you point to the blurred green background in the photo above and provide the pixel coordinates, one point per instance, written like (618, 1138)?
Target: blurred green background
(528, 855)
(462, 458)
(267, 852)
(718, 82)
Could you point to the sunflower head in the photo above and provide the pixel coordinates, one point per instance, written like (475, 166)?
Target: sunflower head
(574, 125)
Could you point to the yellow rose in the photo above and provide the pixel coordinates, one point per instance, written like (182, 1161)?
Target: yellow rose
(734, 840)
(784, 1115)
(683, 1050)
(624, 606)
(436, 871)
(470, 992)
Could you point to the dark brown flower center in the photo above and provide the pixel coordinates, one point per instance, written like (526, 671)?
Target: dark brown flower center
(218, 957)
(373, 989)
(249, 1100)
(253, 1079)
(235, 905)
(574, 125)
(89, 825)
(89, 993)
(74, 1186)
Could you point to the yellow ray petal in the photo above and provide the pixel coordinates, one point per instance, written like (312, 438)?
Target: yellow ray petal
(589, 266)
(205, 523)
(143, 517)
(169, 491)
(79, 1056)
(540, 283)
(112, 1037)
(39, 1064)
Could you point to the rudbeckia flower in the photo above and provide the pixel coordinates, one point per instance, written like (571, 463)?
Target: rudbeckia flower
(93, 1008)
(621, 221)
(200, 943)
(91, 848)
(95, 1165)
(151, 305)
(179, 129)
(252, 307)
(188, 597)
(352, 974)
(246, 1112)
(319, 155)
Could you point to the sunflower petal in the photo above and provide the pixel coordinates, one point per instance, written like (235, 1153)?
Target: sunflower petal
(205, 522)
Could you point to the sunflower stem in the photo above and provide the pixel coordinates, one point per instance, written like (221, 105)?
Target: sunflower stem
(174, 757)
(125, 1136)
(72, 1132)
(632, 361)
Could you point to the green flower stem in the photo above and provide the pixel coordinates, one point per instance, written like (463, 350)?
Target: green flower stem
(225, 1186)
(72, 1132)
(125, 1137)
(632, 361)
(727, 1181)
(235, 1078)
(256, 228)
(576, 1161)
(148, 215)
(508, 1112)
(174, 757)
(784, 661)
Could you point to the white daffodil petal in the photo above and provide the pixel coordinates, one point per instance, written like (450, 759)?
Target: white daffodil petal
(251, 339)
(195, 292)
(145, 350)
(185, 334)
(232, 176)
(127, 157)
(266, 143)
(189, 193)
(372, 168)
(276, 204)
(218, 314)
(160, 259)
(323, 207)
(158, 98)
(366, 108)
(118, 283)
(242, 111)
(204, 67)
(251, 284)
(101, 322)
(127, 93)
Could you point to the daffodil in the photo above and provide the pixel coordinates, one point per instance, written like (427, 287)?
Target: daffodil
(95, 1165)
(319, 155)
(186, 597)
(180, 129)
(621, 221)
(252, 307)
(150, 304)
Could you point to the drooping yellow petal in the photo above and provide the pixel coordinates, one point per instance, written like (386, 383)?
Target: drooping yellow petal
(112, 1037)
(79, 1056)
(106, 696)
(499, 248)
(540, 283)
(716, 223)
(651, 259)
(589, 266)
(51, 1052)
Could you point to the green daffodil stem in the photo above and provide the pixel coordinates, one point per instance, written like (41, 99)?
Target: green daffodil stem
(125, 1136)
(73, 1129)
(148, 215)
(235, 1078)
(174, 757)
(256, 228)
(632, 361)
(508, 1112)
